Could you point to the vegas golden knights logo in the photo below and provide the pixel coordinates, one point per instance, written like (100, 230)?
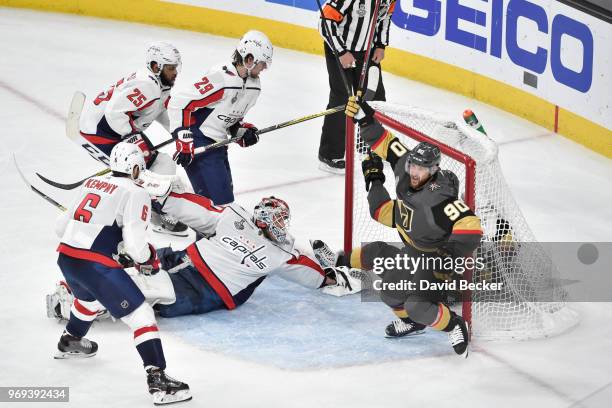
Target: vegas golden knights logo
(405, 215)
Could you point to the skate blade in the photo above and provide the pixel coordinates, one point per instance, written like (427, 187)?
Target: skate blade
(67, 355)
(161, 230)
(416, 333)
(328, 169)
(161, 398)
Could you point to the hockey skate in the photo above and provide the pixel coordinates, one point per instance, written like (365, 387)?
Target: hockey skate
(74, 347)
(404, 327)
(326, 257)
(458, 335)
(166, 224)
(165, 389)
(334, 166)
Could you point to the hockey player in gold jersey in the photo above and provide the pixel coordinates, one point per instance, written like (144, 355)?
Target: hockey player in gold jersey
(434, 224)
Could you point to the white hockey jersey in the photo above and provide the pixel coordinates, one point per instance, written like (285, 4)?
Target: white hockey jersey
(237, 257)
(108, 210)
(214, 102)
(128, 106)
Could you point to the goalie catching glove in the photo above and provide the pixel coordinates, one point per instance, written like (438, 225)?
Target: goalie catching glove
(348, 281)
(372, 167)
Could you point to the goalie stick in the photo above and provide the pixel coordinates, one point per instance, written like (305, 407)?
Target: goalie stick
(199, 150)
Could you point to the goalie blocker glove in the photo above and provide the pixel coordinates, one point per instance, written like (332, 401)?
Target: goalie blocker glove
(184, 148)
(372, 167)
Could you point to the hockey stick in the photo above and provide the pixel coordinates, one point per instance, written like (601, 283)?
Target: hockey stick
(366, 60)
(203, 149)
(74, 115)
(37, 191)
(327, 35)
(72, 186)
(199, 150)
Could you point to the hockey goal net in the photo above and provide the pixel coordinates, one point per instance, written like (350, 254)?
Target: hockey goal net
(531, 303)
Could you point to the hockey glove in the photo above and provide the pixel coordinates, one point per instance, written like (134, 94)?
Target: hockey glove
(359, 110)
(247, 134)
(143, 143)
(151, 266)
(347, 281)
(184, 148)
(372, 167)
(122, 257)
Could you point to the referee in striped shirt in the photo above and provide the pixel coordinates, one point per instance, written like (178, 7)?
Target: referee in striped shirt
(348, 23)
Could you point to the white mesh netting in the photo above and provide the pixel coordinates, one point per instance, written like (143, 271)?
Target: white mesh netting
(532, 304)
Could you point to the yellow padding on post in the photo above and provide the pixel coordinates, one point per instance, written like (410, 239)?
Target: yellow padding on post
(356, 258)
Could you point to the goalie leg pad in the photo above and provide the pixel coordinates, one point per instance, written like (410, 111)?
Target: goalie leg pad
(156, 288)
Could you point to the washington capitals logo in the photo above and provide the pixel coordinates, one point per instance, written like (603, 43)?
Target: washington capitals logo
(434, 186)
(239, 225)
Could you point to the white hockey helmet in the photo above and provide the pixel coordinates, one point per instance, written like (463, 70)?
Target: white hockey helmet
(272, 215)
(256, 44)
(124, 157)
(163, 53)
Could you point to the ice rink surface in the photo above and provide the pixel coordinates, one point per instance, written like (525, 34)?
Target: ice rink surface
(287, 347)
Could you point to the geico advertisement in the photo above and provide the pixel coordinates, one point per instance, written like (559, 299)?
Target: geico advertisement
(540, 46)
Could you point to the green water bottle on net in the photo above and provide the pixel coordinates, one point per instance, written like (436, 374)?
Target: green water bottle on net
(471, 119)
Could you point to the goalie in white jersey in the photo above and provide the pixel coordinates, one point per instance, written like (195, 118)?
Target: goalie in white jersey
(211, 108)
(239, 250)
(104, 227)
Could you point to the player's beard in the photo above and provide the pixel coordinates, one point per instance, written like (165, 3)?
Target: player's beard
(417, 183)
(165, 81)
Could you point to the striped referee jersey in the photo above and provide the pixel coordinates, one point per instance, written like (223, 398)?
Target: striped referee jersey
(348, 24)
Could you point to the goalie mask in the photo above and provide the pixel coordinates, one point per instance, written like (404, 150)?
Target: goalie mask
(272, 215)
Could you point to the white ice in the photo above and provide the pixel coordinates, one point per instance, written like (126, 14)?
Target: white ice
(266, 353)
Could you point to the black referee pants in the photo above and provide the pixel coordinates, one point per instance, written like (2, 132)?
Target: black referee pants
(334, 126)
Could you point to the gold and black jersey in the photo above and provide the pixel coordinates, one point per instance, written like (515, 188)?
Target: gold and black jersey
(430, 218)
